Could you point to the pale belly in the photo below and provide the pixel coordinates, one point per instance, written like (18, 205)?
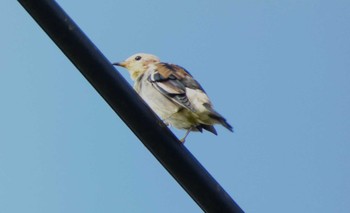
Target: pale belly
(178, 116)
(171, 113)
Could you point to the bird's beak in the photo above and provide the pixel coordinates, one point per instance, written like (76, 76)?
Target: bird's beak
(120, 64)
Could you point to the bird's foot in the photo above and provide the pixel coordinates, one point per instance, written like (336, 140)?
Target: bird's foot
(182, 140)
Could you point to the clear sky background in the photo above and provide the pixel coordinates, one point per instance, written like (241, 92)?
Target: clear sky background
(279, 71)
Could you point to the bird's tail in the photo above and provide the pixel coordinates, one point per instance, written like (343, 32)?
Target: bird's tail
(220, 119)
(225, 124)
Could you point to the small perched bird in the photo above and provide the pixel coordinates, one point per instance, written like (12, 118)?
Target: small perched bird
(173, 94)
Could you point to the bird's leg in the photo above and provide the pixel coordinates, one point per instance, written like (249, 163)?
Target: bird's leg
(182, 140)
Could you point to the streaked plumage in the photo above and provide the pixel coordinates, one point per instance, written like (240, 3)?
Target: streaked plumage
(174, 95)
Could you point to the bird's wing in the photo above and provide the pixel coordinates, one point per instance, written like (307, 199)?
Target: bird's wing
(172, 80)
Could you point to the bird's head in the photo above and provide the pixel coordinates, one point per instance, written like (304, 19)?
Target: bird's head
(138, 63)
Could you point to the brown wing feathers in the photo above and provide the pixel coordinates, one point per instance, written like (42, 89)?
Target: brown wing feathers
(171, 69)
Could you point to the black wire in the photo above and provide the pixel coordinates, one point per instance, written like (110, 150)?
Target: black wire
(179, 162)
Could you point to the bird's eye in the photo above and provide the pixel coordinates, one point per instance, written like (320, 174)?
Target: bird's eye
(137, 58)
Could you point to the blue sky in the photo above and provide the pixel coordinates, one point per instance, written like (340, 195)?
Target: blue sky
(277, 70)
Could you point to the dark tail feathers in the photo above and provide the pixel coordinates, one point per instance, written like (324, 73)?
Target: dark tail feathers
(215, 115)
(206, 127)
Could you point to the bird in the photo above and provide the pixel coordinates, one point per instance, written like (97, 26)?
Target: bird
(173, 94)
